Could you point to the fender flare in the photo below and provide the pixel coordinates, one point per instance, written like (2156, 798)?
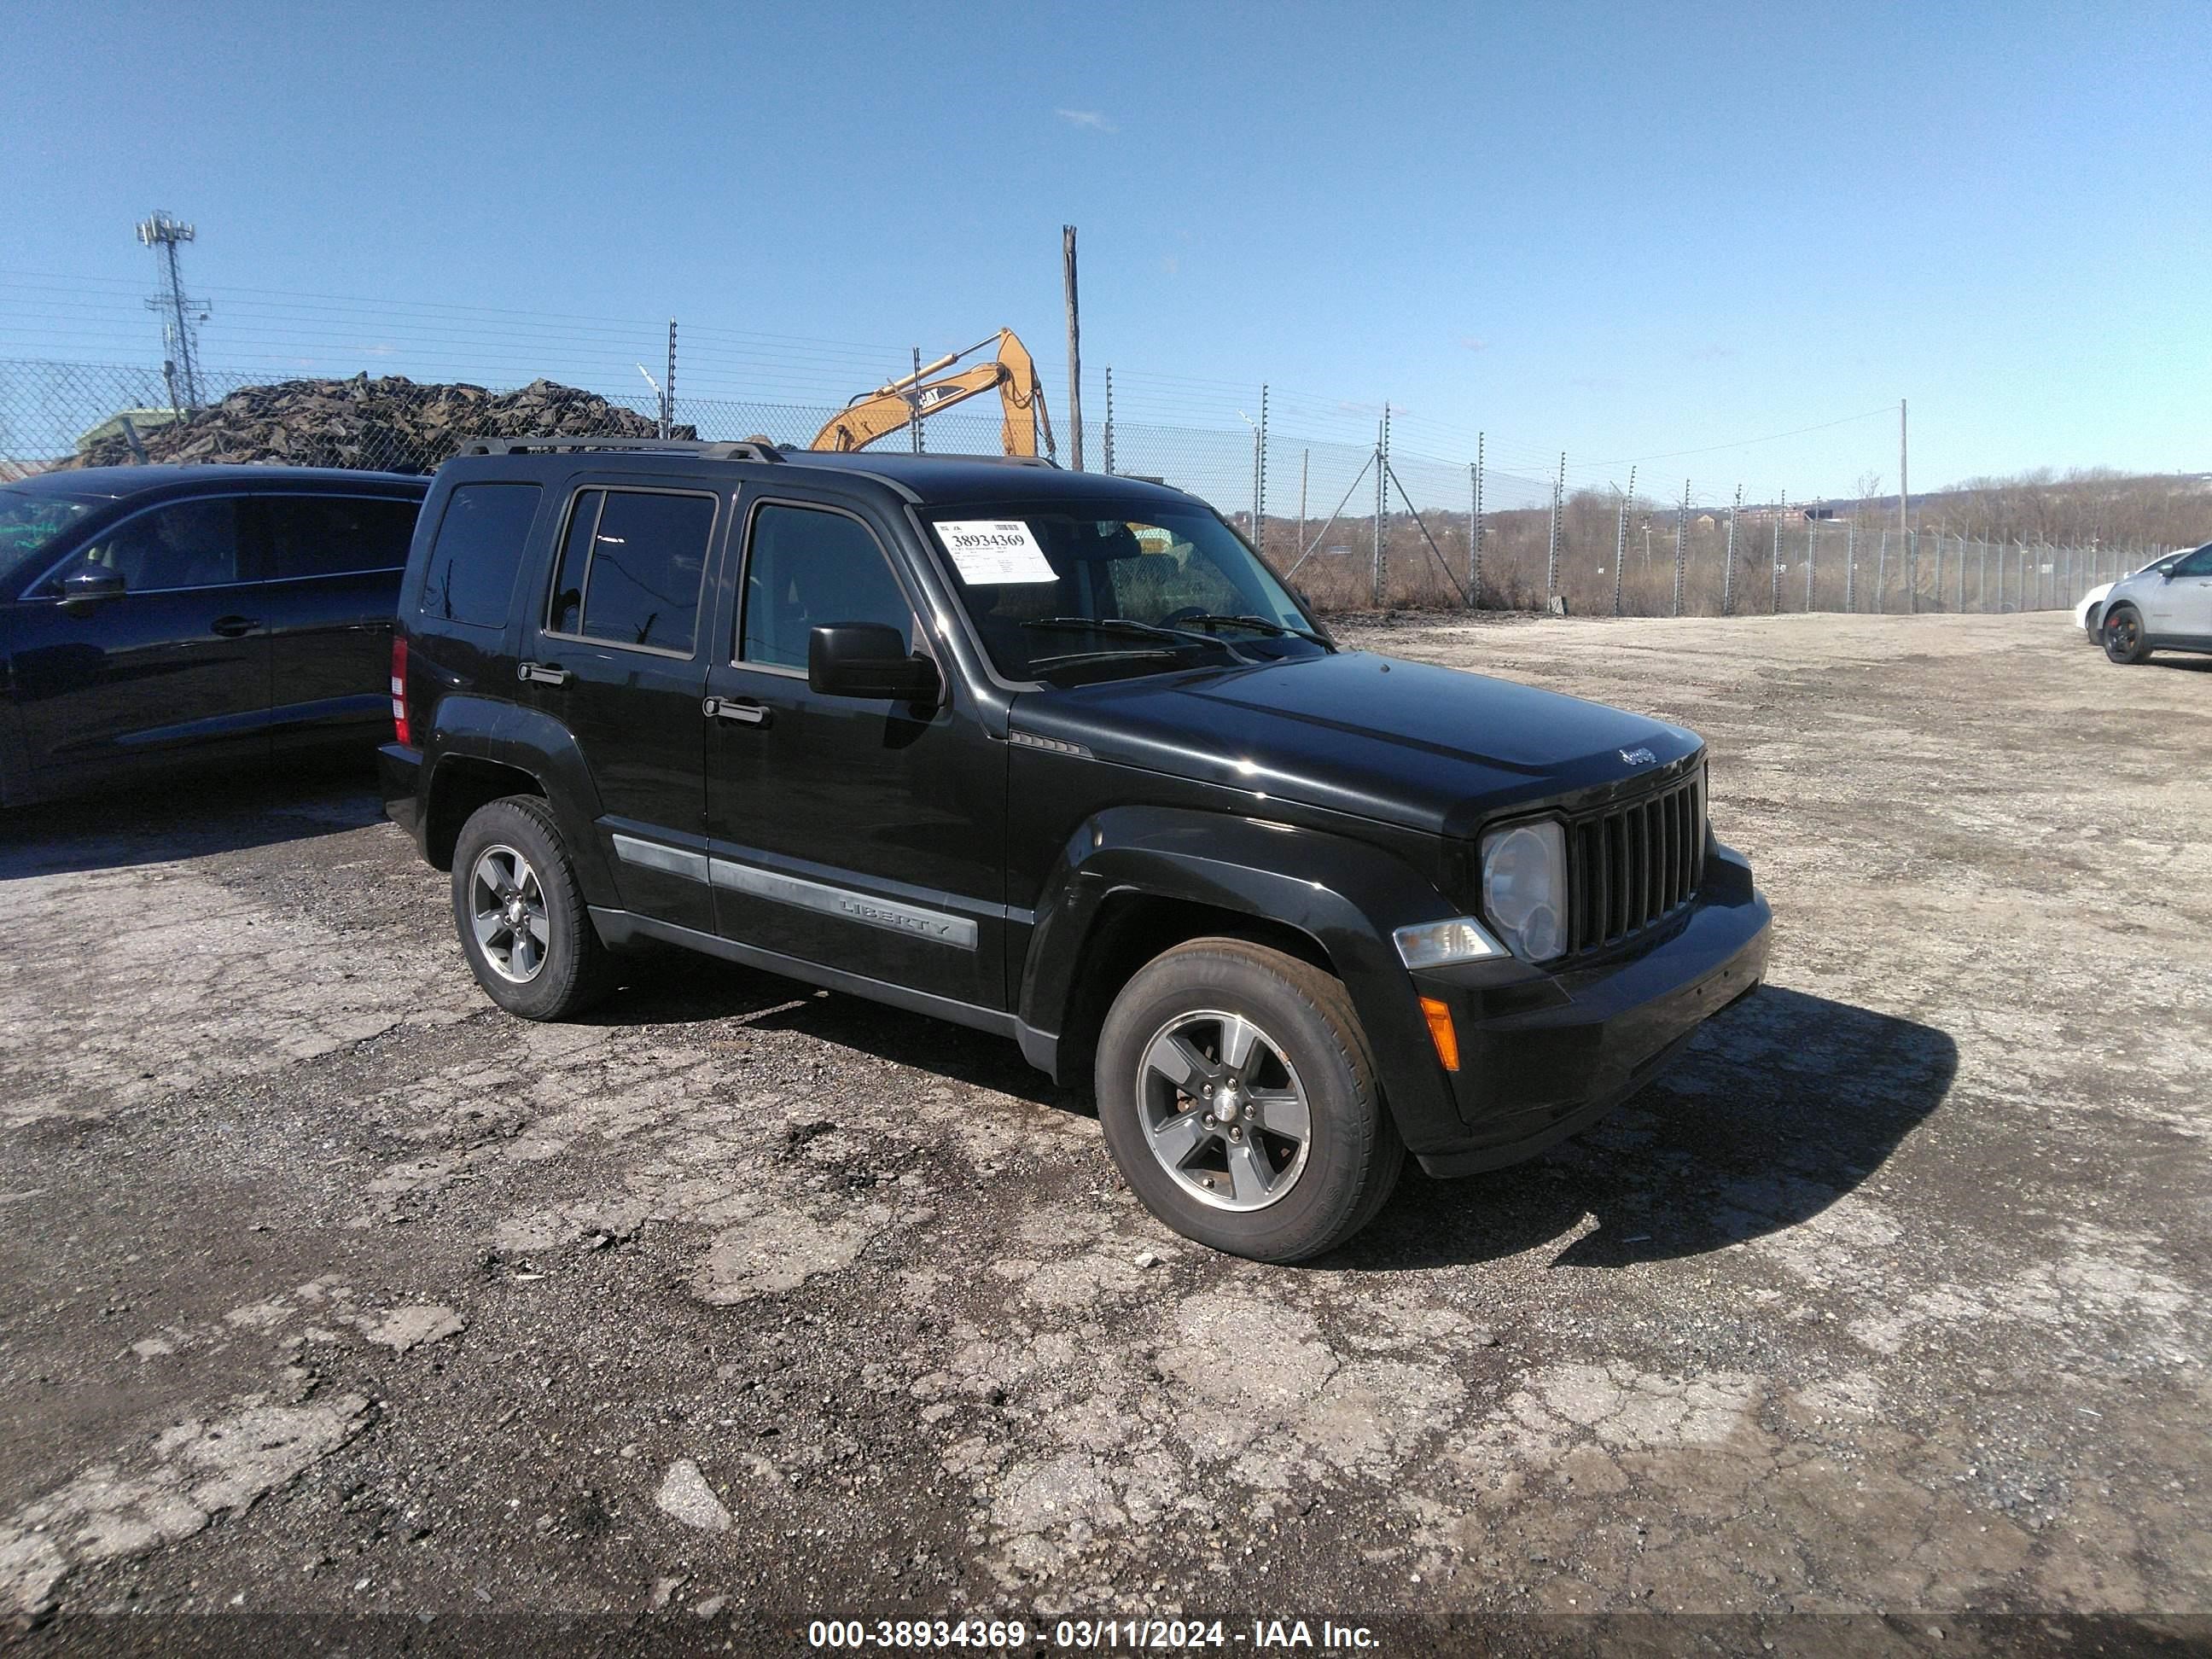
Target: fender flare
(469, 727)
(1344, 894)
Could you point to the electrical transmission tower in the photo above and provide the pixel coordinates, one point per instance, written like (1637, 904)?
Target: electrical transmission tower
(179, 365)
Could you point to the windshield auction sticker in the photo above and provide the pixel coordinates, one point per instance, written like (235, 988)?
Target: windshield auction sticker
(994, 552)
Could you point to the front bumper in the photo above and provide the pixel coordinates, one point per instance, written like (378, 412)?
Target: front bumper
(1544, 1054)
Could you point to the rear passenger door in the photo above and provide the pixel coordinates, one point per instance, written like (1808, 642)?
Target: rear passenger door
(334, 564)
(613, 650)
(176, 666)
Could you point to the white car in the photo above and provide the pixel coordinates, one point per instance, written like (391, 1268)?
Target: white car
(2165, 607)
(2089, 614)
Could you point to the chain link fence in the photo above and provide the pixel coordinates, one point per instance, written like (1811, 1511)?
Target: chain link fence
(1358, 527)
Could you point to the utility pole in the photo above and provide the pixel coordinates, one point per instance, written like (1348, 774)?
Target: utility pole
(1903, 492)
(1728, 562)
(165, 235)
(1074, 348)
(1904, 495)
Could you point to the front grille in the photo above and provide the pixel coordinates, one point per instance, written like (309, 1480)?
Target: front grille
(1631, 866)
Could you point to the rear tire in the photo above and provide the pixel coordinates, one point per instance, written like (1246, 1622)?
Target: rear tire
(2124, 636)
(1238, 1099)
(520, 914)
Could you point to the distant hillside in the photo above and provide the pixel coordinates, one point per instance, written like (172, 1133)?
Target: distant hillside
(2173, 509)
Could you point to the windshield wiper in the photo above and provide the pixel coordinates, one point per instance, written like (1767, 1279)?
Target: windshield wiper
(1116, 625)
(1140, 653)
(1275, 629)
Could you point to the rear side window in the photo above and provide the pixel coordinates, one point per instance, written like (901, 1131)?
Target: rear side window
(631, 565)
(337, 535)
(478, 549)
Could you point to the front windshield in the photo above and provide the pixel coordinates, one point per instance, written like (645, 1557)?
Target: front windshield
(30, 520)
(1063, 594)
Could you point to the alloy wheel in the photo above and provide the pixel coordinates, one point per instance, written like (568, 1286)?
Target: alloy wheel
(1223, 1111)
(507, 908)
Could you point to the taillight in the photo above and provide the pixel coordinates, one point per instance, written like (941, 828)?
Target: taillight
(399, 691)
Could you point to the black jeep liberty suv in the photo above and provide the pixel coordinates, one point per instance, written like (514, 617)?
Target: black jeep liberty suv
(1053, 755)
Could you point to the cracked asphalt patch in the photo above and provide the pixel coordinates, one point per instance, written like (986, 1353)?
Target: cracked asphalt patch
(334, 1290)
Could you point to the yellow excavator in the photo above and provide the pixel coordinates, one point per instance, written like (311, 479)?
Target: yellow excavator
(1012, 374)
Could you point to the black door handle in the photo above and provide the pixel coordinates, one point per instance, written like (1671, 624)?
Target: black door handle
(231, 627)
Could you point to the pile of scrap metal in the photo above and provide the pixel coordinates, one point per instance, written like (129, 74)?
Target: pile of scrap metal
(392, 423)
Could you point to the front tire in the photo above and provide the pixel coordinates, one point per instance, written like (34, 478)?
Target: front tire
(1238, 1099)
(2124, 636)
(520, 914)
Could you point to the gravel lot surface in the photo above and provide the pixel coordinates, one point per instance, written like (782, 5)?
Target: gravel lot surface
(332, 1288)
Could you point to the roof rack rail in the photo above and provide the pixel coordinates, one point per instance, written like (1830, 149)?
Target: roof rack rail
(957, 455)
(754, 449)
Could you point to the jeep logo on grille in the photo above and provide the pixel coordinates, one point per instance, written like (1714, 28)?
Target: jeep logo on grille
(1639, 756)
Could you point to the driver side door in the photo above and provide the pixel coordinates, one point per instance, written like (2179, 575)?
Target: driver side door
(2187, 599)
(858, 835)
(176, 666)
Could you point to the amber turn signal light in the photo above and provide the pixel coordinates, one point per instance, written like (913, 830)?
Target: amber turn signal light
(1441, 1032)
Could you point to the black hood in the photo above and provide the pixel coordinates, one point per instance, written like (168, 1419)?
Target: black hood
(1427, 748)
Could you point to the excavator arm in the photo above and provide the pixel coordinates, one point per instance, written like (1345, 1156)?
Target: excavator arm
(888, 408)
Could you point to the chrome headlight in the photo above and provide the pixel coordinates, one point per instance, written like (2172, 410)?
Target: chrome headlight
(1524, 887)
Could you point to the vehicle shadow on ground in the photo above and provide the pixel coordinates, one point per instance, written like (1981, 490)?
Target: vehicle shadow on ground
(156, 823)
(2186, 665)
(1780, 1106)
(676, 986)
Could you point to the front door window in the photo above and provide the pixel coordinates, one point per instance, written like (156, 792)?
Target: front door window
(809, 568)
(187, 545)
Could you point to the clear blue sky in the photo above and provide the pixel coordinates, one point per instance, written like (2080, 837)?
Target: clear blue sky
(1617, 231)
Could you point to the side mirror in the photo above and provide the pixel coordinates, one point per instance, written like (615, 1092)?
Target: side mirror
(868, 659)
(87, 589)
(2167, 570)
